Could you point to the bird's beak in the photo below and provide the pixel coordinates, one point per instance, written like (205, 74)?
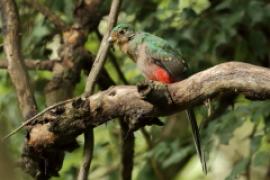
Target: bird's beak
(111, 39)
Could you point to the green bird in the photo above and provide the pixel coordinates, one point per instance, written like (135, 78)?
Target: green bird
(159, 61)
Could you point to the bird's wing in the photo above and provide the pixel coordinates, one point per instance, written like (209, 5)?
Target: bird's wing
(165, 55)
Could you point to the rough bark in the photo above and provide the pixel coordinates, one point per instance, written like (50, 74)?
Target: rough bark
(33, 64)
(16, 66)
(233, 77)
(57, 129)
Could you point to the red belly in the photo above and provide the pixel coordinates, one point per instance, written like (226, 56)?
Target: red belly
(161, 75)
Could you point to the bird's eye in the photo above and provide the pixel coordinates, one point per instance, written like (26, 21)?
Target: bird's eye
(121, 32)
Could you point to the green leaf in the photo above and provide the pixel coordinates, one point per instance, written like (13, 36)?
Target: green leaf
(258, 41)
(261, 158)
(255, 143)
(176, 157)
(256, 11)
(224, 5)
(238, 169)
(228, 123)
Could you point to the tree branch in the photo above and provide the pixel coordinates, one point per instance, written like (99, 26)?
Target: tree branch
(127, 136)
(103, 50)
(74, 117)
(56, 129)
(88, 150)
(65, 76)
(33, 64)
(127, 150)
(93, 75)
(53, 18)
(16, 66)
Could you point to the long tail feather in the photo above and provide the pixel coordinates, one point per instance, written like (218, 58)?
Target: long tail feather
(196, 138)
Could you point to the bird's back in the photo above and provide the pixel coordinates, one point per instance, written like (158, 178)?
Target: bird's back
(161, 53)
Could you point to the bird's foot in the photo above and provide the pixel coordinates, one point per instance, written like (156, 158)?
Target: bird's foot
(155, 92)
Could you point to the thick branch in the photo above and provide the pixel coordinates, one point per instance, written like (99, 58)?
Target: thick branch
(16, 66)
(33, 64)
(233, 77)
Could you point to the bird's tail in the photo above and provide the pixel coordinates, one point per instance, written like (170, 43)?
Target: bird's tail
(196, 138)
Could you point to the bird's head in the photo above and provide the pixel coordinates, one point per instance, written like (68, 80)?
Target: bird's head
(121, 34)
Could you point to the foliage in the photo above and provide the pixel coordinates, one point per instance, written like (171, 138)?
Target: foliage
(208, 32)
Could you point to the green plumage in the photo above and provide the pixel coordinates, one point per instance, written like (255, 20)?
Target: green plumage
(161, 53)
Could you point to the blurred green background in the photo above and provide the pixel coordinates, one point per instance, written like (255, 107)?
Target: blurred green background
(208, 32)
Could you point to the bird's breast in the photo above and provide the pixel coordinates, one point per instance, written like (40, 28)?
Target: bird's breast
(124, 47)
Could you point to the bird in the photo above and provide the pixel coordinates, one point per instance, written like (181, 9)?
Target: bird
(158, 60)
